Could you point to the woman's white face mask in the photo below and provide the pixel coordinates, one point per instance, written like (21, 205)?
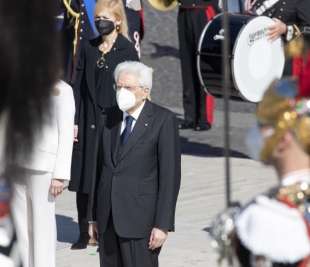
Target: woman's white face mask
(125, 99)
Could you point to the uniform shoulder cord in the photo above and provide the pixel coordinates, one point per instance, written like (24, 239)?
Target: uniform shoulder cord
(77, 17)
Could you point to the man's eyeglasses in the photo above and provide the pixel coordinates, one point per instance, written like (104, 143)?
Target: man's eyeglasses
(129, 88)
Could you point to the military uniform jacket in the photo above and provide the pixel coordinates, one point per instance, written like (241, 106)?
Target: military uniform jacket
(270, 233)
(271, 230)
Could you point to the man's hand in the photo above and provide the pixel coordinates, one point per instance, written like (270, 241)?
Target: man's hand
(248, 5)
(93, 230)
(157, 238)
(276, 30)
(56, 187)
(76, 131)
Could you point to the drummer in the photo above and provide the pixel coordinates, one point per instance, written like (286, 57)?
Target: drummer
(292, 17)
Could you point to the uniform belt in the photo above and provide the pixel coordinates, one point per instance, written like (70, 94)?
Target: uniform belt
(194, 6)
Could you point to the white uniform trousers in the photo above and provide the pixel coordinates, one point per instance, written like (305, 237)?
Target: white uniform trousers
(34, 214)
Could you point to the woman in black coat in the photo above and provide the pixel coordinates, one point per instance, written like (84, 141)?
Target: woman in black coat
(94, 95)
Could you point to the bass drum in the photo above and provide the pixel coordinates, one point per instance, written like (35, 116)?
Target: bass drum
(255, 60)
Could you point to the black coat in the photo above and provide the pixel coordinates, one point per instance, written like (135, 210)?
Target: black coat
(140, 181)
(94, 95)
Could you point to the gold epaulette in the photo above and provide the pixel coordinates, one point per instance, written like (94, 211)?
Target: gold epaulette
(296, 194)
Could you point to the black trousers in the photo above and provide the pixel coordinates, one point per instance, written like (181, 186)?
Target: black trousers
(190, 25)
(82, 208)
(115, 251)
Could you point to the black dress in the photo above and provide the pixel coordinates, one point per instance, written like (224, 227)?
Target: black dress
(94, 94)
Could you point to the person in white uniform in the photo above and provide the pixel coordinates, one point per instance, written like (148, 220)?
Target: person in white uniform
(273, 229)
(44, 174)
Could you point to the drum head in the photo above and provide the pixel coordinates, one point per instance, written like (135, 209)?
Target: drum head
(256, 60)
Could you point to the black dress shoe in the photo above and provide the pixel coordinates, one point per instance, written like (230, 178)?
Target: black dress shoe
(202, 126)
(80, 244)
(186, 125)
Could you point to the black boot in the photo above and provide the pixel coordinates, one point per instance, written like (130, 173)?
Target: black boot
(81, 243)
(186, 125)
(202, 126)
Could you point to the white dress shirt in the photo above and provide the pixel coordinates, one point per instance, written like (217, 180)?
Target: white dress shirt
(135, 115)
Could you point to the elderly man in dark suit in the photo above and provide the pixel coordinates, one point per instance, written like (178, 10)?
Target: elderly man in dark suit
(139, 180)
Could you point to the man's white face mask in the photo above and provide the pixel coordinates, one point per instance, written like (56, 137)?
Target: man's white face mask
(125, 99)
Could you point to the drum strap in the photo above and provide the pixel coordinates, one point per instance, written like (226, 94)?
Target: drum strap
(265, 6)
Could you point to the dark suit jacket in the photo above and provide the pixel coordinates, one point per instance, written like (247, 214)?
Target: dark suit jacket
(140, 181)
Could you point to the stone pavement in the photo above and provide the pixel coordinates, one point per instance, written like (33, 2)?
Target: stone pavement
(201, 198)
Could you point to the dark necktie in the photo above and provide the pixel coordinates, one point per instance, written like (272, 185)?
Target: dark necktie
(127, 131)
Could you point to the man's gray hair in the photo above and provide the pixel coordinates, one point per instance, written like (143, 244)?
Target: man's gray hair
(141, 71)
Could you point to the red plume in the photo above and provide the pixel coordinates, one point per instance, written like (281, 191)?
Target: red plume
(304, 78)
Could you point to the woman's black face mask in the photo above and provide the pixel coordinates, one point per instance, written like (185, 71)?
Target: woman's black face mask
(104, 26)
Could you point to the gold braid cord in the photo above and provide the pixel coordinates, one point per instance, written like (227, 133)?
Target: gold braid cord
(77, 17)
(297, 194)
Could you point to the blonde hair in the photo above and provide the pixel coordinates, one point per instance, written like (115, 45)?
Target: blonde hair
(117, 8)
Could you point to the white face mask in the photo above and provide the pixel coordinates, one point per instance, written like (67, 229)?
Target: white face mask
(125, 99)
(254, 142)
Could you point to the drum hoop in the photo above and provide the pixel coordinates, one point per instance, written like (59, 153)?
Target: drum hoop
(199, 50)
(233, 58)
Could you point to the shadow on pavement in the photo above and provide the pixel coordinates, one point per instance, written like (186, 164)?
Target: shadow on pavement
(164, 51)
(67, 229)
(205, 150)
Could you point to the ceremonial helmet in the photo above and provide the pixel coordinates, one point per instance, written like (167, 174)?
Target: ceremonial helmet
(286, 107)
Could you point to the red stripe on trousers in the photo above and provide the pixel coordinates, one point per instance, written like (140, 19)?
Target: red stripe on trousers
(297, 66)
(210, 101)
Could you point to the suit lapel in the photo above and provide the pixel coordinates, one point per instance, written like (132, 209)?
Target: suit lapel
(115, 143)
(113, 121)
(144, 121)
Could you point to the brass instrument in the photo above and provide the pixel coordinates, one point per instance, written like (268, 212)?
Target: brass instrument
(77, 17)
(163, 5)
